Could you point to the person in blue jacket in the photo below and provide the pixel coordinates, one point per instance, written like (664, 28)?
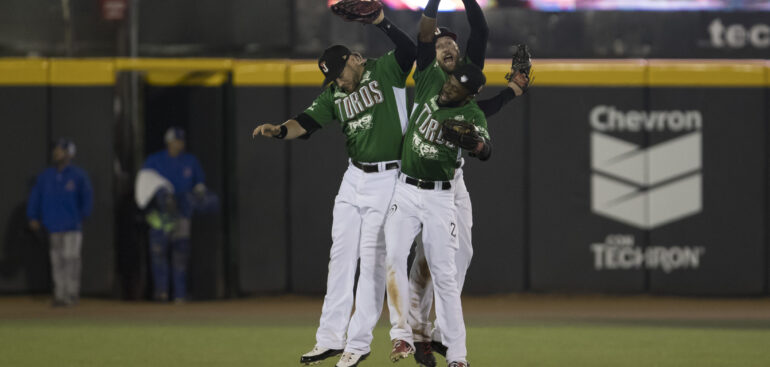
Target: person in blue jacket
(59, 202)
(169, 217)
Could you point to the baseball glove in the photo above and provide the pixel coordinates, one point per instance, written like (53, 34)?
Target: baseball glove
(461, 133)
(521, 64)
(364, 11)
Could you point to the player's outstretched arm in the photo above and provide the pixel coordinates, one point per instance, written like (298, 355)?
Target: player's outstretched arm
(428, 21)
(518, 82)
(426, 50)
(476, 49)
(290, 129)
(406, 49)
(493, 105)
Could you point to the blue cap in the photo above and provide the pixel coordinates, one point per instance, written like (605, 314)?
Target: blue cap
(174, 133)
(68, 146)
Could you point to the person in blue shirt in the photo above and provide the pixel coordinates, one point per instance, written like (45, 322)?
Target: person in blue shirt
(169, 216)
(59, 202)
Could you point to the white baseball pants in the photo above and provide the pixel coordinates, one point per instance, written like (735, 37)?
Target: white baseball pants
(419, 277)
(359, 213)
(434, 211)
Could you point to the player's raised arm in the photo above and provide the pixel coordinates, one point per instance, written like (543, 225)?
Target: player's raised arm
(426, 51)
(406, 49)
(477, 41)
(371, 12)
(428, 21)
(518, 82)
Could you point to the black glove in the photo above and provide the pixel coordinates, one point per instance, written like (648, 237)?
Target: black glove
(462, 134)
(521, 68)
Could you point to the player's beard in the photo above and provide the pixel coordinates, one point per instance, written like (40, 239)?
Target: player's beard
(353, 85)
(448, 61)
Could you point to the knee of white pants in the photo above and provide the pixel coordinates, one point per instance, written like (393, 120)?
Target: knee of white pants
(445, 282)
(396, 252)
(394, 260)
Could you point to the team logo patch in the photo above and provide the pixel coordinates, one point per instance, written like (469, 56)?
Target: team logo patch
(187, 172)
(361, 124)
(70, 186)
(393, 209)
(323, 67)
(424, 149)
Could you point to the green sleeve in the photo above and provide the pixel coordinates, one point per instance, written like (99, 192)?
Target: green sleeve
(390, 71)
(323, 109)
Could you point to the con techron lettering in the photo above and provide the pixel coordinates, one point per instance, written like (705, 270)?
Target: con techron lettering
(619, 253)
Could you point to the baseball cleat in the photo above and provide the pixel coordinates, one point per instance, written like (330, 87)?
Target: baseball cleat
(439, 348)
(459, 364)
(317, 355)
(424, 354)
(401, 350)
(350, 359)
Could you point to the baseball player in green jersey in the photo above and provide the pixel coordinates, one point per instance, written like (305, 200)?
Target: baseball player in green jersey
(424, 196)
(367, 97)
(427, 337)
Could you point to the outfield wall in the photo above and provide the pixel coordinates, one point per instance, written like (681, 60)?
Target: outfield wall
(625, 176)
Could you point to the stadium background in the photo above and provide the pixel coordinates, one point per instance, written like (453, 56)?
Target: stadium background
(113, 75)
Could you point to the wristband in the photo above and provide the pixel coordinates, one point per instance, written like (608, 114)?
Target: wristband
(283, 132)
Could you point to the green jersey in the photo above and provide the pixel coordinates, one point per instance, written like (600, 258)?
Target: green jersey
(426, 155)
(373, 117)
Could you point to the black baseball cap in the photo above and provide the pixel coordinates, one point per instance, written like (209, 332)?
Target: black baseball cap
(470, 77)
(444, 32)
(332, 62)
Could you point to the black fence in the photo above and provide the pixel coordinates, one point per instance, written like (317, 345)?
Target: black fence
(611, 177)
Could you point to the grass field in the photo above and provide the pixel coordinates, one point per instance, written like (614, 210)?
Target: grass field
(507, 331)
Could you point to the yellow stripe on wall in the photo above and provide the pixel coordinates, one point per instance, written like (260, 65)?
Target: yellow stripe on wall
(24, 72)
(188, 64)
(82, 72)
(547, 72)
(260, 72)
(167, 78)
(305, 73)
(713, 73)
(294, 73)
(612, 73)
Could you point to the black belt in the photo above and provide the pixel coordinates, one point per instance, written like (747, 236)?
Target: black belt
(370, 168)
(428, 185)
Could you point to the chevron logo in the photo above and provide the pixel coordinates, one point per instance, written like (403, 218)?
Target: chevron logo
(645, 187)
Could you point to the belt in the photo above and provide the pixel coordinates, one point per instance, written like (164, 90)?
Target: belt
(371, 168)
(428, 185)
